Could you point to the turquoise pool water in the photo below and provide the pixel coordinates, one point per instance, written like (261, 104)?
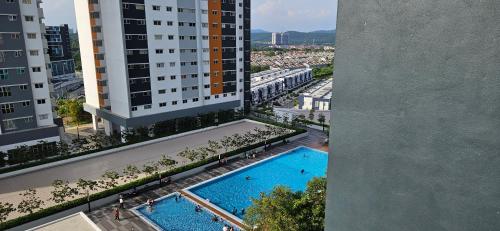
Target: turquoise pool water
(235, 191)
(179, 216)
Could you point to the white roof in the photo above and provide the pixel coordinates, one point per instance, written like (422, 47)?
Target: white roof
(322, 90)
(76, 222)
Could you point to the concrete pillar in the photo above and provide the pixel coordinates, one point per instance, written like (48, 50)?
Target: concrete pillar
(95, 122)
(108, 127)
(415, 140)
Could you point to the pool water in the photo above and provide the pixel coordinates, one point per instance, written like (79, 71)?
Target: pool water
(179, 216)
(235, 191)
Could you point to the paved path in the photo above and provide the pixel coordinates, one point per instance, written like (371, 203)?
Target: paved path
(104, 218)
(95, 167)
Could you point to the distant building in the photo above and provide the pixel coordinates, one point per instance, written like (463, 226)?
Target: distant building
(284, 39)
(268, 84)
(276, 38)
(61, 57)
(317, 98)
(26, 116)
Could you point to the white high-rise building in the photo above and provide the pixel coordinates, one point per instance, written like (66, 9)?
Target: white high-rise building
(146, 61)
(26, 115)
(276, 38)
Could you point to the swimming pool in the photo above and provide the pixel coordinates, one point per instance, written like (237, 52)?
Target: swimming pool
(233, 190)
(169, 214)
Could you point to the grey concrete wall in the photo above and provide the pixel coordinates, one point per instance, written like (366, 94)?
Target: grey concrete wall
(416, 120)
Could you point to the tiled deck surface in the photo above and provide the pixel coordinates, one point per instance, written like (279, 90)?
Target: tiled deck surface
(104, 217)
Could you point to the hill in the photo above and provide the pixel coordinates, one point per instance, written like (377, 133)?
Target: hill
(321, 37)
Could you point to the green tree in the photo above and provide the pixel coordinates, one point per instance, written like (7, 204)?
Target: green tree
(167, 164)
(61, 191)
(311, 114)
(150, 169)
(85, 187)
(321, 119)
(188, 153)
(110, 179)
(30, 203)
(6, 209)
(131, 172)
(283, 209)
(62, 148)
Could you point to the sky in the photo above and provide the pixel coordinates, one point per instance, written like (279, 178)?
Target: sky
(270, 15)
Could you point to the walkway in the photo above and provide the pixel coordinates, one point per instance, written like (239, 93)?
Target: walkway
(104, 218)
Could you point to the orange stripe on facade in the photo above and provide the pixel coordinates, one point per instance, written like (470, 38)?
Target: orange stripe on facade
(97, 63)
(215, 40)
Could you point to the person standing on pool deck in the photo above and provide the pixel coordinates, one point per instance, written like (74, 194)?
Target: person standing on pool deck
(121, 202)
(117, 214)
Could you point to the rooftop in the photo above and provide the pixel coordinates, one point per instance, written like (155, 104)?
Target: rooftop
(76, 222)
(322, 90)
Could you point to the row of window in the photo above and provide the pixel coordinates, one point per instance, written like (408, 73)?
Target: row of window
(8, 108)
(14, 1)
(175, 102)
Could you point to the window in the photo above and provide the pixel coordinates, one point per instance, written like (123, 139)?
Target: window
(170, 23)
(172, 64)
(160, 65)
(159, 51)
(161, 78)
(43, 116)
(141, 22)
(183, 64)
(40, 101)
(192, 24)
(194, 88)
(139, 7)
(161, 92)
(14, 36)
(12, 18)
(171, 51)
(36, 69)
(158, 36)
(169, 8)
(28, 18)
(147, 106)
(172, 77)
(26, 103)
(156, 7)
(206, 74)
(207, 85)
(173, 90)
(183, 76)
(7, 108)
(204, 11)
(181, 37)
(23, 87)
(194, 63)
(134, 108)
(31, 35)
(4, 74)
(195, 100)
(26, 1)
(174, 102)
(34, 52)
(5, 91)
(163, 104)
(181, 23)
(184, 101)
(170, 37)
(184, 89)
(96, 29)
(157, 22)
(207, 97)
(38, 85)
(20, 71)
(194, 76)
(94, 15)
(192, 37)
(216, 96)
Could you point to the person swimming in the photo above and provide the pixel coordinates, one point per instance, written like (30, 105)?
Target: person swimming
(248, 178)
(302, 171)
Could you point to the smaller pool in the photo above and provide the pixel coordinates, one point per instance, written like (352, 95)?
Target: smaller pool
(168, 214)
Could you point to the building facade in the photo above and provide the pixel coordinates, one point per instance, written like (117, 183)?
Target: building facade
(26, 115)
(318, 97)
(276, 38)
(414, 143)
(146, 61)
(269, 84)
(61, 57)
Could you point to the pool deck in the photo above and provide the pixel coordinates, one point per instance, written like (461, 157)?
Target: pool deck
(104, 216)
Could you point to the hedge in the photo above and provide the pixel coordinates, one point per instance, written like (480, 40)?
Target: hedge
(131, 185)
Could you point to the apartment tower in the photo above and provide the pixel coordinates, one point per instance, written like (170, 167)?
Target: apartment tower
(26, 116)
(61, 57)
(146, 61)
